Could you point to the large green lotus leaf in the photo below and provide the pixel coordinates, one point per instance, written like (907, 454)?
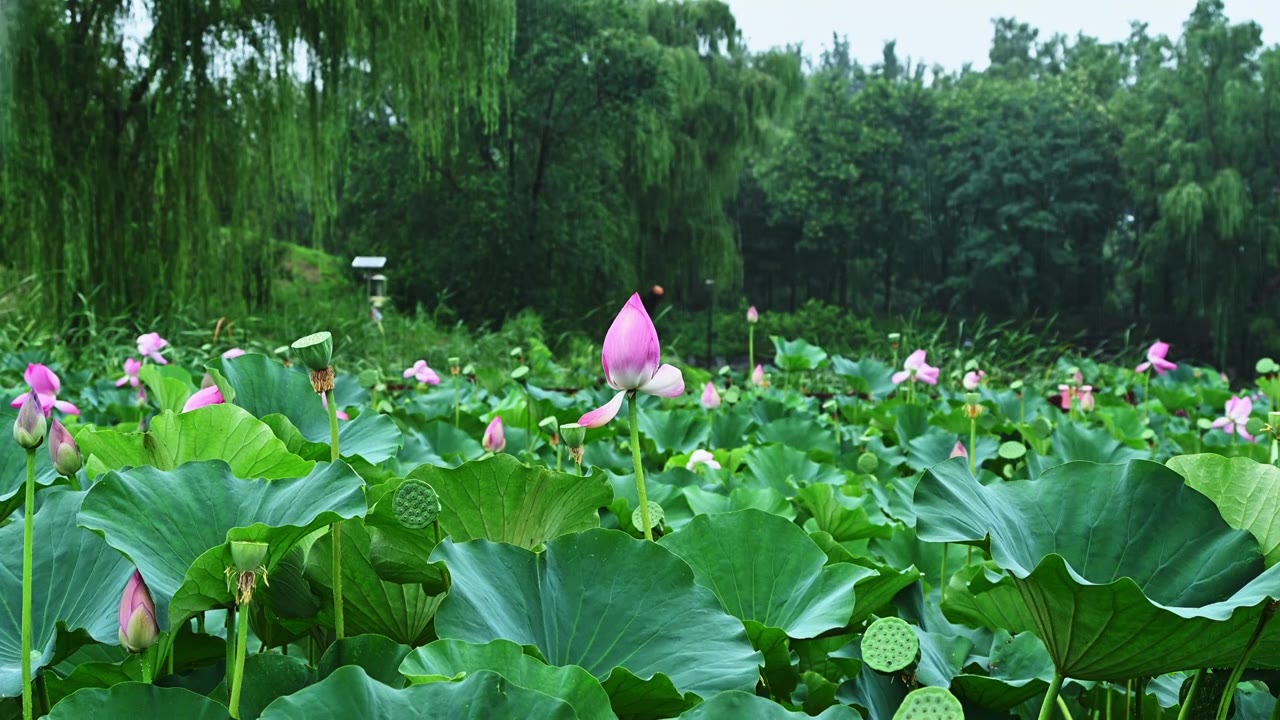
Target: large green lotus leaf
(265, 387)
(979, 596)
(676, 431)
(1246, 492)
(764, 568)
(801, 433)
(1126, 571)
(1077, 442)
(746, 706)
(169, 385)
(500, 499)
(77, 582)
(379, 656)
(729, 427)
(13, 466)
(370, 604)
(785, 469)
(797, 354)
(350, 693)
(445, 660)
(217, 432)
(267, 676)
(399, 553)
(706, 502)
(175, 524)
(137, 700)
(868, 376)
(600, 600)
(1018, 669)
(843, 517)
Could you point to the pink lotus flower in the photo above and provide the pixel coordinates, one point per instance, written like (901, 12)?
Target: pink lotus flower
(1155, 358)
(204, 398)
(138, 627)
(710, 398)
(422, 373)
(632, 361)
(1066, 395)
(131, 368)
(233, 353)
(1086, 398)
(45, 386)
(1238, 411)
(702, 457)
(959, 451)
(757, 376)
(915, 368)
(150, 345)
(494, 439)
(973, 379)
(753, 317)
(324, 400)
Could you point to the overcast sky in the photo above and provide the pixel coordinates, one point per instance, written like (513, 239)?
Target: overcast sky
(953, 32)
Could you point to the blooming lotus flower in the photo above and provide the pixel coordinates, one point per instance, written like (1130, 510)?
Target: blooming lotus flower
(915, 368)
(422, 373)
(494, 439)
(632, 361)
(324, 400)
(972, 379)
(1086, 398)
(959, 451)
(1237, 417)
(233, 353)
(1066, 395)
(203, 398)
(1155, 358)
(753, 317)
(150, 345)
(131, 368)
(138, 627)
(63, 450)
(757, 376)
(45, 386)
(702, 457)
(710, 398)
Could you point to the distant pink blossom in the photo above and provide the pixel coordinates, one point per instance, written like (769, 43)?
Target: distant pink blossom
(131, 368)
(1156, 358)
(753, 316)
(1066, 394)
(757, 376)
(324, 400)
(150, 345)
(233, 353)
(495, 438)
(973, 379)
(710, 397)
(422, 373)
(1086, 398)
(959, 451)
(204, 398)
(45, 385)
(702, 457)
(1237, 415)
(915, 368)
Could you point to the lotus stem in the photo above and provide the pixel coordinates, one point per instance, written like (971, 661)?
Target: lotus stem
(1185, 712)
(237, 680)
(28, 520)
(633, 415)
(973, 446)
(457, 402)
(751, 349)
(1046, 708)
(942, 574)
(148, 676)
(1224, 704)
(1062, 705)
(229, 628)
(43, 687)
(335, 530)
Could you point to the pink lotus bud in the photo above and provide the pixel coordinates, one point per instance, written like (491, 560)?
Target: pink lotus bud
(208, 396)
(63, 450)
(138, 628)
(131, 369)
(494, 439)
(757, 376)
(30, 425)
(973, 379)
(753, 317)
(710, 398)
(1086, 398)
(1065, 395)
(233, 353)
(632, 361)
(959, 451)
(150, 345)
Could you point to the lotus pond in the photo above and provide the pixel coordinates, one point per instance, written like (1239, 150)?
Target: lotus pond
(238, 536)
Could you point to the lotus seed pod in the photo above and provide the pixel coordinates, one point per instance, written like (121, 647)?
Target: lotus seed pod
(315, 350)
(573, 435)
(416, 504)
(655, 516)
(889, 645)
(930, 703)
(868, 462)
(550, 425)
(247, 555)
(30, 426)
(1042, 427)
(972, 398)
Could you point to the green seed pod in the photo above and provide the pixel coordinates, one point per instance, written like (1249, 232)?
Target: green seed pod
(1042, 427)
(930, 703)
(890, 644)
(550, 425)
(315, 350)
(868, 462)
(247, 555)
(416, 504)
(655, 516)
(520, 373)
(573, 434)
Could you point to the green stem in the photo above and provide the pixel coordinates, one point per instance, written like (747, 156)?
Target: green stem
(1062, 705)
(1224, 704)
(528, 412)
(28, 519)
(973, 446)
(942, 574)
(43, 695)
(751, 349)
(1185, 712)
(200, 623)
(335, 530)
(75, 482)
(148, 676)
(559, 464)
(457, 402)
(1046, 708)
(237, 680)
(633, 415)
(229, 626)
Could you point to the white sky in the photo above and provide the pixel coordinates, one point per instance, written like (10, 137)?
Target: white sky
(952, 32)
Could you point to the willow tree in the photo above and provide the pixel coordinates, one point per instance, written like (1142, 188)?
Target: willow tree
(150, 153)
